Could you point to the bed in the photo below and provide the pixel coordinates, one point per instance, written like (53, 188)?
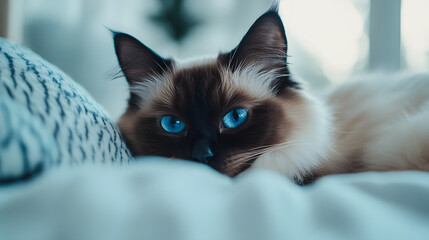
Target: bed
(65, 173)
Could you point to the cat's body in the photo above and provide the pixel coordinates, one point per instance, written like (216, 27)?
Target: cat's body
(381, 123)
(245, 110)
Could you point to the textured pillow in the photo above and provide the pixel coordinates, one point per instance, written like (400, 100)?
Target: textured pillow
(48, 113)
(25, 145)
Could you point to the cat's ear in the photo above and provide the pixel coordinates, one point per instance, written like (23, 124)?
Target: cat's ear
(136, 60)
(264, 46)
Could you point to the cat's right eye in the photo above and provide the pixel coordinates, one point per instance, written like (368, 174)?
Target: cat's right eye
(235, 118)
(172, 124)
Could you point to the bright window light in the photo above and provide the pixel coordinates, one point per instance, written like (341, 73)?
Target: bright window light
(415, 34)
(332, 31)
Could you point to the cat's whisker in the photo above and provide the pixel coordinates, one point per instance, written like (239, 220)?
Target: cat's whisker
(242, 158)
(284, 144)
(267, 148)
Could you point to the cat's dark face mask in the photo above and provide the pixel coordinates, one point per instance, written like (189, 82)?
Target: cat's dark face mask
(207, 112)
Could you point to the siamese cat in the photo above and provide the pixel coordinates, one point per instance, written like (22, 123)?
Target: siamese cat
(245, 110)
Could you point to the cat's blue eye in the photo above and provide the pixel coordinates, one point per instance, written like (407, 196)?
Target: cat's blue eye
(172, 124)
(235, 118)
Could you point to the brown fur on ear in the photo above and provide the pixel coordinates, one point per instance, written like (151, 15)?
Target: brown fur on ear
(264, 46)
(137, 61)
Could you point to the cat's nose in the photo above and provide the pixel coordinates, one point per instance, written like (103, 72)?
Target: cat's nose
(202, 151)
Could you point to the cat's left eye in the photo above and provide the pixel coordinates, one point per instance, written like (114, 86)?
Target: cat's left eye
(172, 124)
(235, 118)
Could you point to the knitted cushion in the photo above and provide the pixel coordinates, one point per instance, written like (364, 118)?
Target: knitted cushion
(45, 111)
(25, 145)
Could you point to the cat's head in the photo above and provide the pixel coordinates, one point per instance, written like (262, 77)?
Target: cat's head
(240, 110)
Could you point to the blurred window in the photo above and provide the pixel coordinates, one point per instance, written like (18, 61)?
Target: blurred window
(326, 38)
(415, 34)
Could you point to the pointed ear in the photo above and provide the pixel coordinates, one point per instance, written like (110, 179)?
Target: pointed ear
(136, 60)
(264, 46)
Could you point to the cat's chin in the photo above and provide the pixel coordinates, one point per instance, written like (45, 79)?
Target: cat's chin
(308, 146)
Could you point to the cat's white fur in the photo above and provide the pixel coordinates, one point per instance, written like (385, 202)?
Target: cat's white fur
(250, 79)
(308, 145)
(375, 122)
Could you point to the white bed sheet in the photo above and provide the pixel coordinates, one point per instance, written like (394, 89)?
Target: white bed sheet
(158, 198)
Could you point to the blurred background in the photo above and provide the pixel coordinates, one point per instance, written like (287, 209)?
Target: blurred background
(328, 40)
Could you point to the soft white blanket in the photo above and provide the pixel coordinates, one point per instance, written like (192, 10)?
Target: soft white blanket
(169, 199)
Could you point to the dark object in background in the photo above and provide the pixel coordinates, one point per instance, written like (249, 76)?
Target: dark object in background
(175, 19)
(4, 7)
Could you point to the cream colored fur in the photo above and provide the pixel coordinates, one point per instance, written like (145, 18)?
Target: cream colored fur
(382, 122)
(310, 143)
(376, 122)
